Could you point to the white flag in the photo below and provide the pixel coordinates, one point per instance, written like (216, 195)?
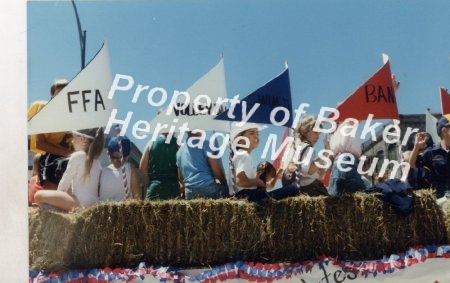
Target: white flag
(201, 109)
(82, 104)
(430, 126)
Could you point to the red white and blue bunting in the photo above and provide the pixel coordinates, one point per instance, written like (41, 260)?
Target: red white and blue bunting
(323, 269)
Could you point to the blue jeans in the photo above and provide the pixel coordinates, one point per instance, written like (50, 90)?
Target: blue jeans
(345, 182)
(212, 191)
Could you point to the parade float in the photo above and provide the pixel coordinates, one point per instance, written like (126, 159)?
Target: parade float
(352, 237)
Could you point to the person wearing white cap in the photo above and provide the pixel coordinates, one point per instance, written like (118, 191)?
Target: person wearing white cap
(243, 171)
(247, 181)
(79, 184)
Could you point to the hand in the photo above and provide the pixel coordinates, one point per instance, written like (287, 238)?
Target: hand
(291, 167)
(420, 141)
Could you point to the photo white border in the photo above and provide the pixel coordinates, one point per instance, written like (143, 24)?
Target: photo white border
(13, 165)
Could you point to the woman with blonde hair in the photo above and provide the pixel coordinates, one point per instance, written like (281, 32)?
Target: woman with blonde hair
(79, 184)
(307, 173)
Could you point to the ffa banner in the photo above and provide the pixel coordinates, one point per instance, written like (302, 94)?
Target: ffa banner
(200, 105)
(82, 104)
(275, 93)
(376, 96)
(445, 101)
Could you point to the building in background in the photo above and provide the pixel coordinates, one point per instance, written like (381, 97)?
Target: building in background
(383, 150)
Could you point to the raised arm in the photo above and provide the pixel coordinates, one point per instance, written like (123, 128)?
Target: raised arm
(43, 144)
(419, 144)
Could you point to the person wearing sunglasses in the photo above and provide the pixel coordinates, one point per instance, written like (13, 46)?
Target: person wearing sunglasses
(119, 180)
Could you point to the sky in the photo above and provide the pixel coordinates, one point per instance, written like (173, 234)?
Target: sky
(331, 47)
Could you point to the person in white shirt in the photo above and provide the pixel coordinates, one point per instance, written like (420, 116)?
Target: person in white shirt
(79, 184)
(307, 173)
(119, 180)
(247, 177)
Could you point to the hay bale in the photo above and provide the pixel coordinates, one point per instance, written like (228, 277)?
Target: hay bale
(50, 238)
(210, 232)
(446, 213)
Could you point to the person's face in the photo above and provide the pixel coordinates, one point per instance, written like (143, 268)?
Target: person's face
(312, 137)
(445, 134)
(253, 137)
(78, 142)
(116, 159)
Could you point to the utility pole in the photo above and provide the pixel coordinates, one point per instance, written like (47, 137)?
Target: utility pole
(82, 35)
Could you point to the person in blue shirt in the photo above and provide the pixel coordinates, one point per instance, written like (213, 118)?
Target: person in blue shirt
(435, 169)
(200, 174)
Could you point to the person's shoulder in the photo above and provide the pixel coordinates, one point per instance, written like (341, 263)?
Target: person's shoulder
(181, 151)
(241, 154)
(110, 167)
(306, 146)
(429, 152)
(78, 155)
(433, 149)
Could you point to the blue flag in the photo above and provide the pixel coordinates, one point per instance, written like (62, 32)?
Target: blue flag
(275, 93)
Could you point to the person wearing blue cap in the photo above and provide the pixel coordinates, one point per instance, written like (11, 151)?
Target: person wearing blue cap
(119, 180)
(436, 159)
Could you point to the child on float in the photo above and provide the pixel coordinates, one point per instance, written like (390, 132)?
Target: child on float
(248, 183)
(79, 184)
(119, 180)
(304, 170)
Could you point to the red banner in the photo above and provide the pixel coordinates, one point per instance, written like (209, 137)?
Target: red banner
(445, 101)
(376, 96)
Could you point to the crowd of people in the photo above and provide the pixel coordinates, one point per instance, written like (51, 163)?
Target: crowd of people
(67, 173)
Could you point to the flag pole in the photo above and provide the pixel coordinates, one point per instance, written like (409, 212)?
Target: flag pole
(82, 36)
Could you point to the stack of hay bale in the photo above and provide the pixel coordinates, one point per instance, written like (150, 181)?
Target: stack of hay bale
(211, 232)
